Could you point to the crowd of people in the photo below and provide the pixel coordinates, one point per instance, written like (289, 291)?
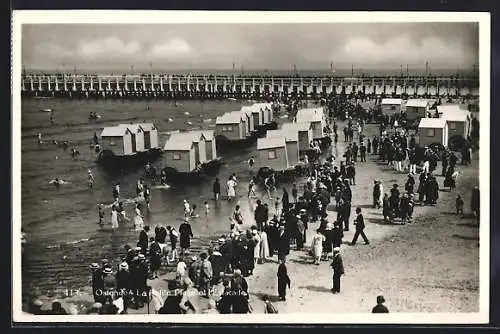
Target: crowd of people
(323, 205)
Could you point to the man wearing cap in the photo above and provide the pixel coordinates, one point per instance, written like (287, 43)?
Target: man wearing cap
(124, 284)
(97, 282)
(109, 281)
(380, 307)
(338, 269)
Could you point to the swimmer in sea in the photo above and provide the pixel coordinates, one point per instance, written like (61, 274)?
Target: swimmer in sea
(57, 182)
(39, 138)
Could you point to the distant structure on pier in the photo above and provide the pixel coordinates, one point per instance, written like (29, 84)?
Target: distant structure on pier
(215, 86)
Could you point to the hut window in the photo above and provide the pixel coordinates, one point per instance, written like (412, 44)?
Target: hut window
(227, 128)
(453, 125)
(176, 156)
(271, 154)
(431, 132)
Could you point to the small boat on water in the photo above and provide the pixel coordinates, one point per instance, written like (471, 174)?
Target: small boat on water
(47, 110)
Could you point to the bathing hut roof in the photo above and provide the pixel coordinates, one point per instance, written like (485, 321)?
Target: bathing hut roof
(192, 136)
(114, 131)
(134, 128)
(262, 105)
(302, 126)
(147, 126)
(229, 118)
(448, 107)
(417, 103)
(392, 101)
(265, 143)
(452, 115)
(247, 110)
(289, 135)
(432, 123)
(208, 134)
(177, 145)
(310, 115)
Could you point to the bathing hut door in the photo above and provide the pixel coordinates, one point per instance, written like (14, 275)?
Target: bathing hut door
(147, 140)
(197, 152)
(134, 144)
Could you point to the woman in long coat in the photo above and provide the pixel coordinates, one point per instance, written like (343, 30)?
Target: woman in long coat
(317, 246)
(186, 233)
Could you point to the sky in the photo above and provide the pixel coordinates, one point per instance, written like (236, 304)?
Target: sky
(259, 46)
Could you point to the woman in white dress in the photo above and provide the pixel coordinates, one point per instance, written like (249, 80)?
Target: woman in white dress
(256, 251)
(264, 247)
(231, 191)
(317, 246)
(114, 218)
(138, 221)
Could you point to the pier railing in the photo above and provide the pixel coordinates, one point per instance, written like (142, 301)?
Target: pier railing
(163, 84)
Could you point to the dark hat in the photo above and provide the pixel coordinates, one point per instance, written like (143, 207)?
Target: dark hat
(380, 299)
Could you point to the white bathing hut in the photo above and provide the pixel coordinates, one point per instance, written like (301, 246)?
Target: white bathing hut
(417, 108)
(304, 131)
(230, 126)
(391, 106)
(150, 136)
(292, 143)
(273, 153)
(137, 136)
(180, 155)
(432, 130)
(316, 117)
(197, 139)
(118, 140)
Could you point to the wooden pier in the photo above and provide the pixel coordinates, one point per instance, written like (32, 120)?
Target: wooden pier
(174, 86)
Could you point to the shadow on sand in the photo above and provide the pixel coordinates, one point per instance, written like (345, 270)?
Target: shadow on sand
(315, 288)
(466, 237)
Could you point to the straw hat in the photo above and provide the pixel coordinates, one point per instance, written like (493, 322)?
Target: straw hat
(97, 306)
(108, 270)
(141, 257)
(94, 265)
(336, 250)
(124, 266)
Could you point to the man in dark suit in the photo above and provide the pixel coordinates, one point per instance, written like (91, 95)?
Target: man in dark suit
(144, 240)
(260, 215)
(338, 269)
(283, 279)
(283, 243)
(360, 226)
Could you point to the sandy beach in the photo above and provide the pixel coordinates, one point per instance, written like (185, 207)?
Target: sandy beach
(430, 265)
